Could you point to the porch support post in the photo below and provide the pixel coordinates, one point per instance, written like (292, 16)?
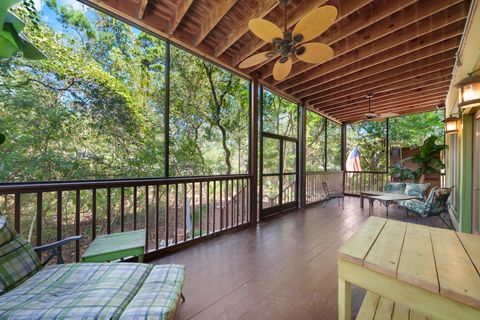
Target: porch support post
(344, 146)
(253, 150)
(166, 115)
(343, 155)
(302, 155)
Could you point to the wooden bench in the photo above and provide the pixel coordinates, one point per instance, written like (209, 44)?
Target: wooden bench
(375, 307)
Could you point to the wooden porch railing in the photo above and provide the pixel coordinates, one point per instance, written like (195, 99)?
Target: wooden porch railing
(356, 182)
(173, 211)
(314, 188)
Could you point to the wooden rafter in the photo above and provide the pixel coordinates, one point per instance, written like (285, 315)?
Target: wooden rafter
(387, 98)
(429, 104)
(361, 46)
(388, 78)
(360, 72)
(211, 20)
(260, 11)
(142, 6)
(392, 94)
(384, 106)
(360, 22)
(180, 12)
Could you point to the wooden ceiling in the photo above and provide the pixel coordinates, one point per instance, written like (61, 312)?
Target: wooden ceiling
(403, 51)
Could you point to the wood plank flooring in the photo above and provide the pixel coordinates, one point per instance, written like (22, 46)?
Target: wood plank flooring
(284, 268)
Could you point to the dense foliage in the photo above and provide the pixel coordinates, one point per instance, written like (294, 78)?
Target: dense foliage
(95, 108)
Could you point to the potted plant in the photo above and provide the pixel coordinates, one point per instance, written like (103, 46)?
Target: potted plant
(428, 161)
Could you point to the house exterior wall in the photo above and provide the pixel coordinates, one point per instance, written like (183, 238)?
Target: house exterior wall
(460, 148)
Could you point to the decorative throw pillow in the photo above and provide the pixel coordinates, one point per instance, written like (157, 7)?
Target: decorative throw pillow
(416, 189)
(394, 187)
(6, 232)
(18, 261)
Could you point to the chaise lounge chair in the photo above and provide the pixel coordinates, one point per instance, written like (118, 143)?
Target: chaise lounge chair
(28, 290)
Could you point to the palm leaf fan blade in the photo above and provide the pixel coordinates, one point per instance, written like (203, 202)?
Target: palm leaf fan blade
(282, 70)
(265, 30)
(315, 23)
(255, 59)
(314, 52)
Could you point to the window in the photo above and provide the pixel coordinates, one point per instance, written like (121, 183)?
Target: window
(370, 138)
(334, 146)
(315, 142)
(93, 110)
(279, 115)
(208, 118)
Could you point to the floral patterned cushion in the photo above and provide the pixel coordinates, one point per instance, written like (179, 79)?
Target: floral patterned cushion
(394, 187)
(416, 189)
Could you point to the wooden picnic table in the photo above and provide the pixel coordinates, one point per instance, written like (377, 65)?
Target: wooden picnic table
(116, 246)
(430, 270)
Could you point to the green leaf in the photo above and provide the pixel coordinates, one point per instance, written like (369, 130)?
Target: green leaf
(8, 46)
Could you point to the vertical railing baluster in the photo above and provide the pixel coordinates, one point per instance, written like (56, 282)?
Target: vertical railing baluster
(221, 206)
(122, 209)
(59, 217)
(39, 217)
(176, 213)
(94, 213)
(201, 210)
(249, 199)
(77, 225)
(226, 204)
(184, 212)
(157, 214)
(237, 202)
(167, 211)
(135, 208)
(243, 201)
(147, 219)
(214, 204)
(17, 212)
(208, 207)
(109, 210)
(233, 207)
(193, 210)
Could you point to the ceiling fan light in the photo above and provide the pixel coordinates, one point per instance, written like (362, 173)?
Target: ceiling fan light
(298, 37)
(300, 50)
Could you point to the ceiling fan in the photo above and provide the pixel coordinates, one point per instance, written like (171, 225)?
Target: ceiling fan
(373, 116)
(288, 43)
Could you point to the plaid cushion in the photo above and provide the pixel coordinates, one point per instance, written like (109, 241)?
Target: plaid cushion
(18, 261)
(75, 291)
(6, 232)
(159, 296)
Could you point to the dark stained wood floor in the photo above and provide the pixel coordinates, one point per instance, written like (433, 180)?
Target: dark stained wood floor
(285, 268)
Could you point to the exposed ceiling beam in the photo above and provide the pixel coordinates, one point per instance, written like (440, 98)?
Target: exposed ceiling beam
(430, 104)
(346, 8)
(213, 17)
(142, 6)
(360, 46)
(392, 94)
(433, 102)
(360, 71)
(360, 22)
(389, 105)
(178, 15)
(387, 99)
(362, 91)
(238, 30)
(400, 74)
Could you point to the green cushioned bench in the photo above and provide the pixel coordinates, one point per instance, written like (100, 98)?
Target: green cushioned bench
(83, 290)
